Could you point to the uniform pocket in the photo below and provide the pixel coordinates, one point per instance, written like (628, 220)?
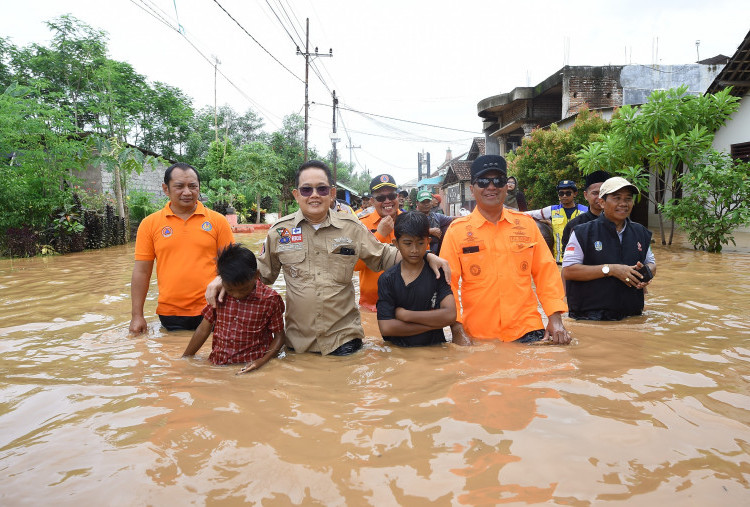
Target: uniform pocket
(522, 259)
(341, 261)
(293, 263)
(473, 263)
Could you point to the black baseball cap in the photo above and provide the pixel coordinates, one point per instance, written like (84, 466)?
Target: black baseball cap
(487, 163)
(567, 184)
(382, 180)
(596, 177)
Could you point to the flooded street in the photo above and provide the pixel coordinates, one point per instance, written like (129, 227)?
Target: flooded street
(653, 410)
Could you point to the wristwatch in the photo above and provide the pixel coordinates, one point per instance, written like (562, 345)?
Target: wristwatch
(605, 269)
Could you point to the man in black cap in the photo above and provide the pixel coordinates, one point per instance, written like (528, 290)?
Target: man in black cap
(591, 194)
(496, 254)
(558, 215)
(379, 221)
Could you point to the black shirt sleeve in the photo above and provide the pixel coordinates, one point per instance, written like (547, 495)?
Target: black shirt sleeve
(443, 288)
(386, 305)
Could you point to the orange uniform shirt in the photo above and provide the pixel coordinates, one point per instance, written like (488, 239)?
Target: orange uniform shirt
(185, 253)
(496, 264)
(368, 279)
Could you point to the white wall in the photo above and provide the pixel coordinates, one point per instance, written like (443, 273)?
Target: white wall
(737, 129)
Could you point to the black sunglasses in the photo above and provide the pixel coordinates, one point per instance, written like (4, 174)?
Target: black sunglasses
(386, 197)
(322, 190)
(498, 181)
(564, 193)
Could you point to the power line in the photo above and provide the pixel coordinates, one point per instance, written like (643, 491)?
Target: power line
(296, 43)
(299, 36)
(148, 9)
(405, 121)
(256, 41)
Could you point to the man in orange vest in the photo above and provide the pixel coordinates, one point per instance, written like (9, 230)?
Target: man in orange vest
(379, 221)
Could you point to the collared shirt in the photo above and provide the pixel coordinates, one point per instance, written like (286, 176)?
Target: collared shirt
(496, 264)
(185, 253)
(243, 328)
(318, 266)
(368, 279)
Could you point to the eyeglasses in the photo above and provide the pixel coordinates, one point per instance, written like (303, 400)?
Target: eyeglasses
(386, 197)
(322, 190)
(564, 193)
(498, 181)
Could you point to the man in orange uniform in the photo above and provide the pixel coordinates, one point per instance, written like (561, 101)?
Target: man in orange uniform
(184, 238)
(380, 222)
(496, 252)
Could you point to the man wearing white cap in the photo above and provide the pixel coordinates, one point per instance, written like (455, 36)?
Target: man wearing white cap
(608, 261)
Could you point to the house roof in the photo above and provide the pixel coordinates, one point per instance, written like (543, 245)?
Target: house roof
(462, 170)
(736, 73)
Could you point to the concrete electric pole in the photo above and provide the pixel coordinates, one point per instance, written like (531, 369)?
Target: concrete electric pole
(307, 56)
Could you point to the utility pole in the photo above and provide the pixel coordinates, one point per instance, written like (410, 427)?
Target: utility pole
(334, 138)
(350, 147)
(216, 124)
(307, 56)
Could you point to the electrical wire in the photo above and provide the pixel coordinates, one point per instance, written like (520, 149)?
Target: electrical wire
(258, 43)
(401, 119)
(296, 43)
(148, 9)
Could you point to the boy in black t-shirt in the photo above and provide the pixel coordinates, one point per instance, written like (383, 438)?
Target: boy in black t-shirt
(413, 305)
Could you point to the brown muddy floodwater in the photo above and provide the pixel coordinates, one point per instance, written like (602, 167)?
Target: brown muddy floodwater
(651, 411)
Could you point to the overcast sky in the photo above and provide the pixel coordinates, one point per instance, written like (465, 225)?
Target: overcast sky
(423, 61)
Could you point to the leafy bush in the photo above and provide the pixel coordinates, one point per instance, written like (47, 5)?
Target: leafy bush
(21, 242)
(141, 204)
(716, 192)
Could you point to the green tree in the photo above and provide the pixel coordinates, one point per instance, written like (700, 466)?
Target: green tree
(717, 192)
(41, 159)
(549, 156)
(255, 169)
(660, 142)
(121, 160)
(288, 144)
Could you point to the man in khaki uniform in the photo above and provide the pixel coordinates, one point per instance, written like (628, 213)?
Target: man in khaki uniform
(317, 250)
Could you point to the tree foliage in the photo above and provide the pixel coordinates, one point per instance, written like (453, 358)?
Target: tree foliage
(660, 142)
(717, 193)
(549, 156)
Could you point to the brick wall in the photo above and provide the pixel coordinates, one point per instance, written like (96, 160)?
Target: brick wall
(593, 87)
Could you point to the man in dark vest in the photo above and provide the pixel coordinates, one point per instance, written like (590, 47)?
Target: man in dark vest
(608, 262)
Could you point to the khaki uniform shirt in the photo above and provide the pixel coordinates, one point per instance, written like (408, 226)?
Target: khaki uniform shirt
(318, 266)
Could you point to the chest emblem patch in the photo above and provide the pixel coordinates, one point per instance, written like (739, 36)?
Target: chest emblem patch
(166, 232)
(524, 266)
(207, 226)
(598, 246)
(475, 270)
(284, 236)
(640, 248)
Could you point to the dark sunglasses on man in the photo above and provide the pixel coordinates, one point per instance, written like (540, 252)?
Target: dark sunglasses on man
(498, 181)
(386, 197)
(564, 193)
(322, 190)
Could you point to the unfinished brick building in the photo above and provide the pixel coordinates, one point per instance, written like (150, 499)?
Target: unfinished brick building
(508, 117)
